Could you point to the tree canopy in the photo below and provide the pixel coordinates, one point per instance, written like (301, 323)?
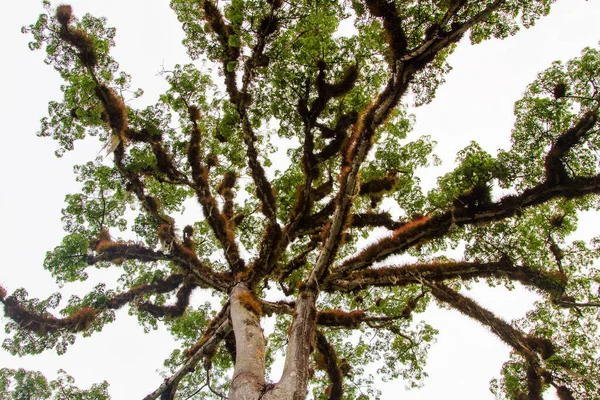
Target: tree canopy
(292, 137)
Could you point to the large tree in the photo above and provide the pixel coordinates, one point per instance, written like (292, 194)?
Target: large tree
(295, 241)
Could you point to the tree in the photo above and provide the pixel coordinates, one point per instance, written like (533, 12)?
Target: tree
(297, 231)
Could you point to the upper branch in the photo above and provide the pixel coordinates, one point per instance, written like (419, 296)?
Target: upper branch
(117, 251)
(175, 310)
(241, 98)
(554, 164)
(116, 114)
(218, 221)
(45, 323)
(440, 40)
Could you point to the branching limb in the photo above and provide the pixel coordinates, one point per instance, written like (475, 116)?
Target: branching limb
(299, 261)
(356, 150)
(554, 161)
(392, 24)
(453, 9)
(278, 307)
(376, 220)
(313, 223)
(573, 304)
(427, 51)
(181, 255)
(43, 324)
(158, 286)
(269, 248)
(118, 251)
(424, 229)
(164, 160)
(353, 319)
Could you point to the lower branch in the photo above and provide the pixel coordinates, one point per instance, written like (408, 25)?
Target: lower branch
(168, 388)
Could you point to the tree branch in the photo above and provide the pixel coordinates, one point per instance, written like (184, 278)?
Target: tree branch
(175, 310)
(427, 228)
(221, 226)
(397, 276)
(169, 387)
(331, 366)
(527, 346)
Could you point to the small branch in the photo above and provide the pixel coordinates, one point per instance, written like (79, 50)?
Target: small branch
(572, 304)
(554, 161)
(112, 251)
(221, 226)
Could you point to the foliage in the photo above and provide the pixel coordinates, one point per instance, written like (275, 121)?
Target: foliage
(21, 384)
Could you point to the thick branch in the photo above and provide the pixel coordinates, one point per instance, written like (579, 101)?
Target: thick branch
(428, 49)
(175, 310)
(357, 148)
(115, 251)
(269, 249)
(551, 283)
(554, 164)
(82, 319)
(157, 286)
(30, 320)
(376, 220)
(392, 24)
(299, 261)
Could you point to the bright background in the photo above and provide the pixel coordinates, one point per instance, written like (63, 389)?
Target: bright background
(475, 104)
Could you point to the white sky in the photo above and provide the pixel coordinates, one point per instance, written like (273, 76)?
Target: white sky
(475, 103)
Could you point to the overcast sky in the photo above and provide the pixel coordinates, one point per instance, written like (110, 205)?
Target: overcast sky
(475, 104)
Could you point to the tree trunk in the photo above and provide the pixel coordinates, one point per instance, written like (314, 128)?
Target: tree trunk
(248, 381)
